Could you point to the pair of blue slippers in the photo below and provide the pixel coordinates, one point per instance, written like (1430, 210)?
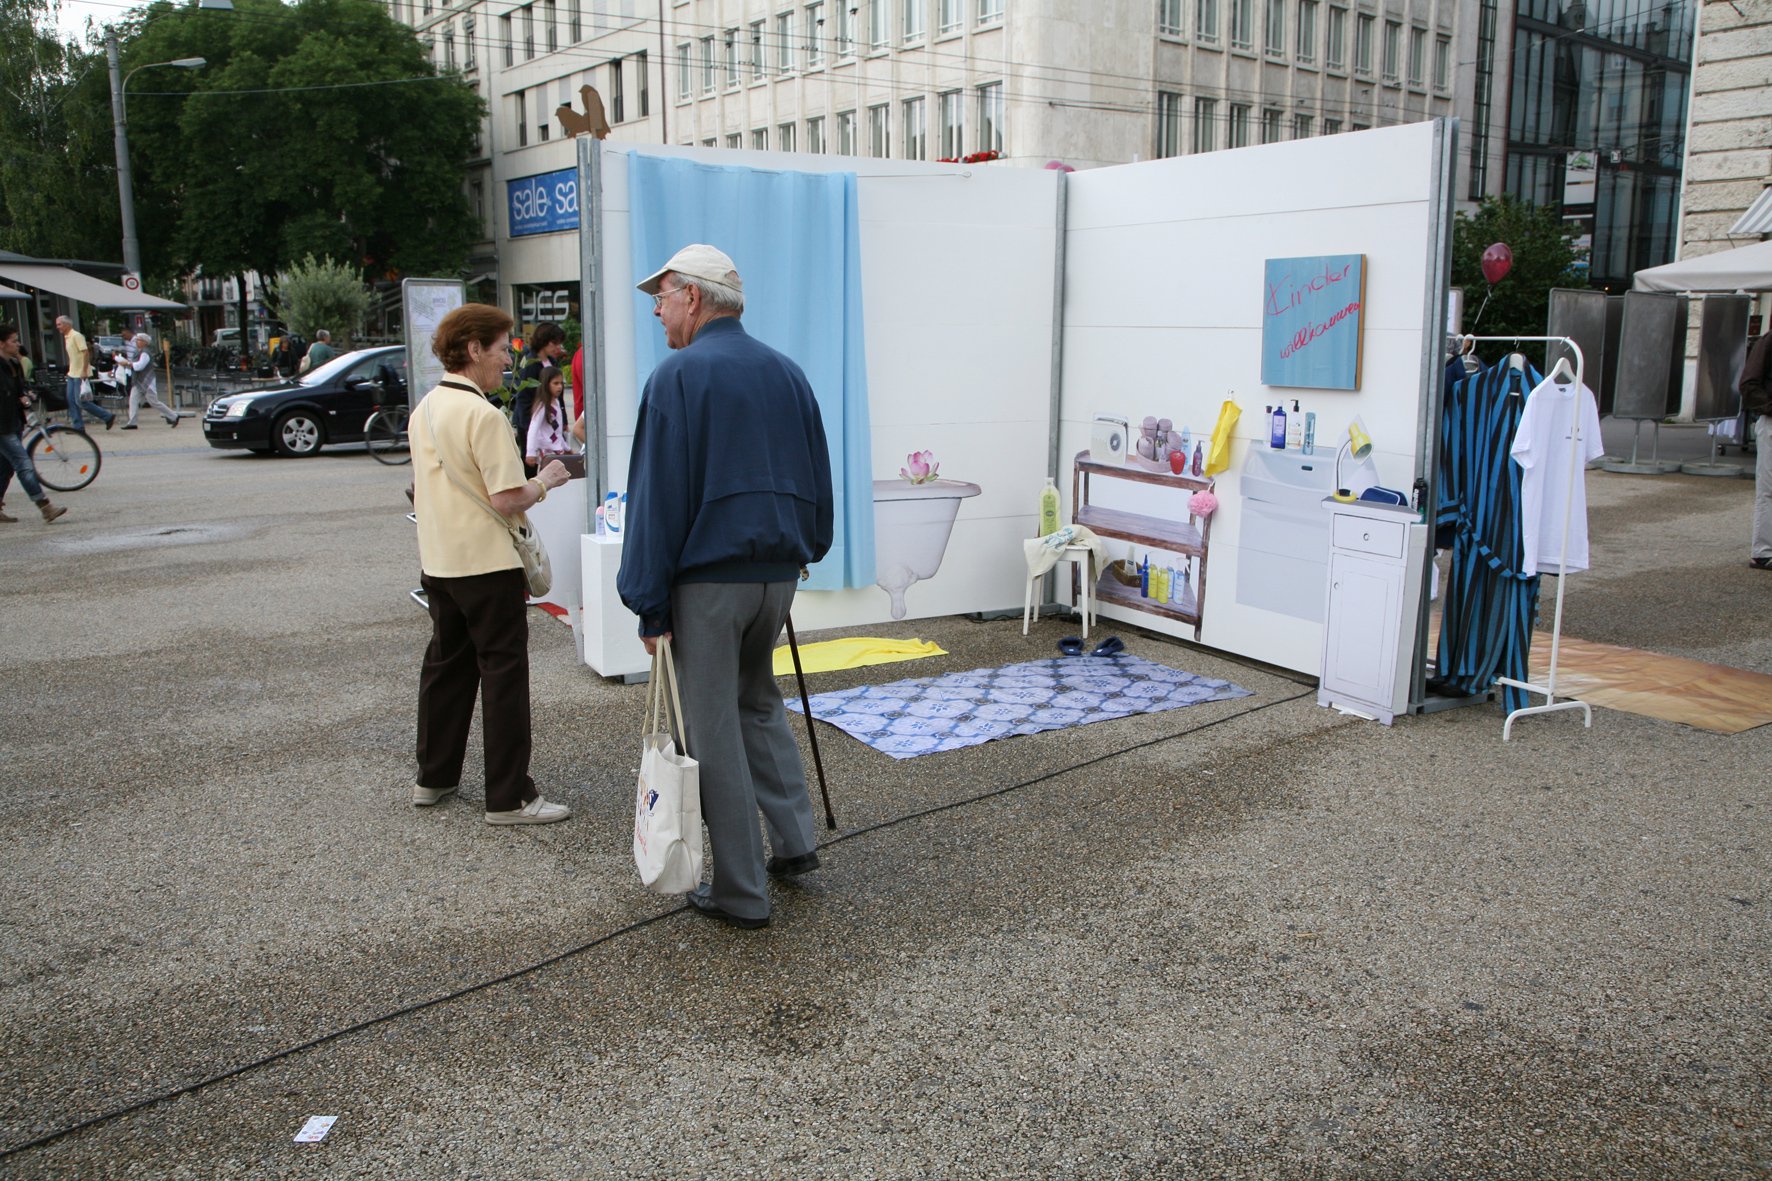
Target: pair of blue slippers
(1073, 646)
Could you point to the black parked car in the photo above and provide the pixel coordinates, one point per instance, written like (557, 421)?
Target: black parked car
(328, 405)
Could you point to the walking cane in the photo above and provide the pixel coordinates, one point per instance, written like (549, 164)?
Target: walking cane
(830, 818)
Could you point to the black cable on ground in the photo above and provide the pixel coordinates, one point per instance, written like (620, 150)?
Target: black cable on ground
(419, 1006)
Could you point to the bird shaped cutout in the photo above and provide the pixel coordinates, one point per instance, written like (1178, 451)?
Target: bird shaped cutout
(592, 122)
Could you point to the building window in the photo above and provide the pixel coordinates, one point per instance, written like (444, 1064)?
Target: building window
(1206, 20)
(879, 24)
(784, 43)
(504, 29)
(1301, 127)
(1270, 126)
(449, 46)
(522, 106)
(989, 10)
(1363, 42)
(815, 135)
(1169, 17)
(845, 133)
(731, 49)
(1242, 24)
(707, 64)
(760, 139)
(880, 131)
(915, 130)
(1237, 128)
(1335, 39)
(846, 16)
(575, 20)
(1393, 49)
(784, 137)
(913, 21)
(551, 12)
(953, 144)
(617, 97)
(642, 84)
(1417, 56)
(1332, 127)
(952, 16)
(1307, 30)
(709, 142)
(1168, 125)
(685, 71)
(814, 35)
(1275, 41)
(990, 117)
(757, 62)
(528, 31)
(734, 140)
(1442, 62)
(478, 190)
(1205, 124)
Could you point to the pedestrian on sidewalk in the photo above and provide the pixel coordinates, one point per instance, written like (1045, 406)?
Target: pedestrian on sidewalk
(144, 384)
(1756, 400)
(730, 480)
(14, 459)
(80, 377)
(467, 474)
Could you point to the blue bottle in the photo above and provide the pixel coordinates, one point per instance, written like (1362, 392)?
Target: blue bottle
(1276, 437)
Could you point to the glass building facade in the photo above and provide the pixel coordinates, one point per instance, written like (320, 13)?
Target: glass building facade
(1596, 121)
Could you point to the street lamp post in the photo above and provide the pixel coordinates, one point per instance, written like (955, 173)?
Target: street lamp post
(132, 253)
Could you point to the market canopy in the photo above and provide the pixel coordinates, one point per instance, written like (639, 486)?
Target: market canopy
(84, 288)
(11, 293)
(1746, 268)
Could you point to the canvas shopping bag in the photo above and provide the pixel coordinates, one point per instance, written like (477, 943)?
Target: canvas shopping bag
(667, 806)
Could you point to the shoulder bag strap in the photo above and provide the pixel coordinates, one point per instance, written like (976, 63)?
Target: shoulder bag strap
(472, 495)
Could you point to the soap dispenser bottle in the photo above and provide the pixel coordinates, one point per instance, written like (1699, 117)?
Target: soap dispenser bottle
(1049, 508)
(1295, 428)
(1277, 428)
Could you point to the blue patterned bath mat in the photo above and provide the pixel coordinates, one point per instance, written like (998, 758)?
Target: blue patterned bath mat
(923, 715)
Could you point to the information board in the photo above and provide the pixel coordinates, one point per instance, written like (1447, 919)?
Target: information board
(426, 302)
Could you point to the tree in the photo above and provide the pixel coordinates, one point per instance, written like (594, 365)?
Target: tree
(324, 294)
(1544, 257)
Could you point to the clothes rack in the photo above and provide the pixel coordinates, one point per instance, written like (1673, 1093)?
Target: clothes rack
(1576, 465)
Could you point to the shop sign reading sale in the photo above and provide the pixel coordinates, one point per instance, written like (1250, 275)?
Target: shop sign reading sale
(1311, 312)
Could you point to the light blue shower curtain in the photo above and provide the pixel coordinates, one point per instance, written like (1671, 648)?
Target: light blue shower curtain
(795, 238)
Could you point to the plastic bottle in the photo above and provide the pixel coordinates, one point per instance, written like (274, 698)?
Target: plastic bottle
(1199, 458)
(1310, 432)
(1159, 585)
(1276, 437)
(1295, 428)
(601, 529)
(1144, 578)
(612, 513)
(1049, 508)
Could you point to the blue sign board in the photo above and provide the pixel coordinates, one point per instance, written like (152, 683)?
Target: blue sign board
(543, 203)
(1311, 310)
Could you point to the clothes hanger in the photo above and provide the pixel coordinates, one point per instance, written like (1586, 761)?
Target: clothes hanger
(1562, 372)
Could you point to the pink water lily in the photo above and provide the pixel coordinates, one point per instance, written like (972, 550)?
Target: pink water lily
(921, 467)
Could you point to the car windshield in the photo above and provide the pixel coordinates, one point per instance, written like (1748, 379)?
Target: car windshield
(334, 367)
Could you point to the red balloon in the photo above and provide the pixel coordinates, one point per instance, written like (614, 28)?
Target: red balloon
(1498, 260)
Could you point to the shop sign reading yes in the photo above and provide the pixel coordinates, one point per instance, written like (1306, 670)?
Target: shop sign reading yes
(544, 203)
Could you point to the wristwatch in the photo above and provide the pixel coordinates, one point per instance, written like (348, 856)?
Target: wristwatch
(543, 487)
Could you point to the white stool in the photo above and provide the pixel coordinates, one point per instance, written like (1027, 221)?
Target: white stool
(1081, 555)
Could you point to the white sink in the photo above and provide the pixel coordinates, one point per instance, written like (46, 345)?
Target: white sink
(1289, 478)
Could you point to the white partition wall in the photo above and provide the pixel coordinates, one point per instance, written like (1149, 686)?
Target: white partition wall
(959, 266)
(1163, 312)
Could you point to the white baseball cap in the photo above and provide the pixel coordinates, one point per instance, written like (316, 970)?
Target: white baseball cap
(698, 262)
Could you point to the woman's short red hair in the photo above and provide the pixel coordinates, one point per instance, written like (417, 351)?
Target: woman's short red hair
(479, 322)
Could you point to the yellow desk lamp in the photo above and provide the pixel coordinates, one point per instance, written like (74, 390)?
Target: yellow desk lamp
(1359, 445)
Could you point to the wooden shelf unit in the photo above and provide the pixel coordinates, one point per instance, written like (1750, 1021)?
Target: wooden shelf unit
(1187, 537)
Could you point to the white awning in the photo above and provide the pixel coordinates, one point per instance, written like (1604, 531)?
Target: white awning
(1746, 268)
(11, 293)
(84, 288)
(1757, 219)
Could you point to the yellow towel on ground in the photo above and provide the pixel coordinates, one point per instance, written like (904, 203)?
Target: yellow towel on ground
(827, 655)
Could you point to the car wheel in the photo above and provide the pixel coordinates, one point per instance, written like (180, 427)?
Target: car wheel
(297, 433)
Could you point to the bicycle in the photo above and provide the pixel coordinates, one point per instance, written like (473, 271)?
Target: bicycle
(66, 459)
(385, 434)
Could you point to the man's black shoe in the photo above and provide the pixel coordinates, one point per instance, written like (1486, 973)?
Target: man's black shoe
(129, 426)
(793, 867)
(703, 906)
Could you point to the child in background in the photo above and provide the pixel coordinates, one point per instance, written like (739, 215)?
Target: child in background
(548, 422)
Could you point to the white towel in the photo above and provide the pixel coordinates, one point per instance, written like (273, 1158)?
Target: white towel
(1043, 552)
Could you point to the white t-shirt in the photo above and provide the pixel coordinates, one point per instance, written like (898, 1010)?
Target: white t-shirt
(1541, 448)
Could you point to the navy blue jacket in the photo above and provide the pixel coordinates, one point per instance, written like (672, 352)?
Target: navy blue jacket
(730, 477)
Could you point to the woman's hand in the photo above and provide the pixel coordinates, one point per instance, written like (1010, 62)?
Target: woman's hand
(553, 475)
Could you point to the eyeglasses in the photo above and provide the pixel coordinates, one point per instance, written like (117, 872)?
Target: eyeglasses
(658, 300)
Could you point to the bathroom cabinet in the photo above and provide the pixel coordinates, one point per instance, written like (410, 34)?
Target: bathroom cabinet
(1176, 532)
(1376, 555)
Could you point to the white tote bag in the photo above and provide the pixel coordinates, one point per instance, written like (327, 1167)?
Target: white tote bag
(667, 807)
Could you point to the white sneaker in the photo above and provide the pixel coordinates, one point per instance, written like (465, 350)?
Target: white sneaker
(424, 797)
(536, 811)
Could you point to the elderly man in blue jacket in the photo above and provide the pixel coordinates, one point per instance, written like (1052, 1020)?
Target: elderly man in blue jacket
(729, 494)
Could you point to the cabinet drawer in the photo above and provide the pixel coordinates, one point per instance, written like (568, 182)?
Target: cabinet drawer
(1383, 539)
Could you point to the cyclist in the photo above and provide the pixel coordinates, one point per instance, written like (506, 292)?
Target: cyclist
(14, 459)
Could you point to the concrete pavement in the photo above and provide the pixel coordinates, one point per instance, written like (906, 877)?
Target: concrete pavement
(1248, 939)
